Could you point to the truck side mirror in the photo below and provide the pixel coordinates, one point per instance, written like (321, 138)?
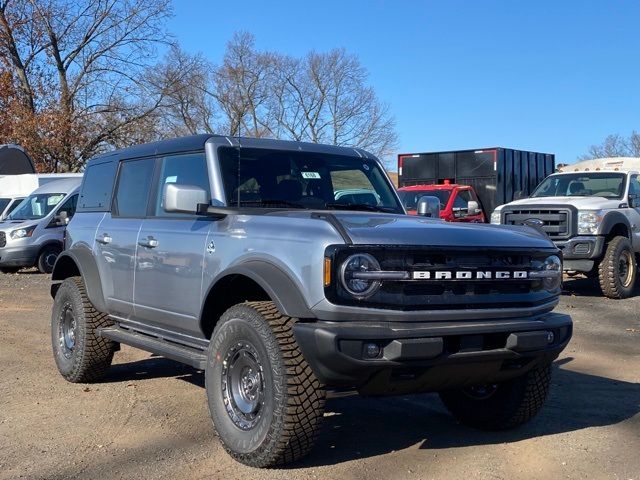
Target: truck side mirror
(177, 198)
(61, 219)
(429, 207)
(473, 208)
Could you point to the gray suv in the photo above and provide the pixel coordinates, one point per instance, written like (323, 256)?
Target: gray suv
(244, 259)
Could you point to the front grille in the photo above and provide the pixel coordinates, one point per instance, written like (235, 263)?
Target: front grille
(413, 295)
(555, 222)
(3, 239)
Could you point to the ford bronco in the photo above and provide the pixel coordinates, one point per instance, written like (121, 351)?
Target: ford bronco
(246, 259)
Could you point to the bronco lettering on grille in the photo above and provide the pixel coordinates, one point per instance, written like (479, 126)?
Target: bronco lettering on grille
(470, 275)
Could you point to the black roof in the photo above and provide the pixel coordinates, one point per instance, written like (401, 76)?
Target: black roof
(197, 142)
(14, 160)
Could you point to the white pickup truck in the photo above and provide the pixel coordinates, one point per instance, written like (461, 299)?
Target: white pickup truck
(591, 211)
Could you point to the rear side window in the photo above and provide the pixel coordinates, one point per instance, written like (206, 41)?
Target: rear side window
(97, 186)
(132, 192)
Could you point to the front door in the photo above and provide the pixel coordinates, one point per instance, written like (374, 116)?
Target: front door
(117, 235)
(171, 249)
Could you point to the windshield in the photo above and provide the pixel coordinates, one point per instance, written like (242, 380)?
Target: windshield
(410, 198)
(583, 184)
(36, 206)
(3, 204)
(286, 179)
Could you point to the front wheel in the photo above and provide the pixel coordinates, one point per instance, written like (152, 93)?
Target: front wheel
(617, 270)
(265, 402)
(47, 258)
(500, 406)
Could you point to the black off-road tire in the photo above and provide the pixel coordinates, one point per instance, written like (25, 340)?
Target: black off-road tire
(47, 258)
(290, 400)
(616, 280)
(90, 356)
(507, 405)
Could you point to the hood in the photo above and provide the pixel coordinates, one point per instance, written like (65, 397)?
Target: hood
(581, 203)
(384, 229)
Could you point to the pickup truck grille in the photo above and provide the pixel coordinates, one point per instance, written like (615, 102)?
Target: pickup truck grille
(555, 222)
(414, 295)
(3, 239)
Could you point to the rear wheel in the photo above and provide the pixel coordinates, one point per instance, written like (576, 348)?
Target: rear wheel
(47, 258)
(617, 270)
(500, 406)
(265, 402)
(80, 353)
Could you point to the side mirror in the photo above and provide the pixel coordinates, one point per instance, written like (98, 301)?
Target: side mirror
(473, 208)
(518, 195)
(177, 198)
(429, 207)
(61, 219)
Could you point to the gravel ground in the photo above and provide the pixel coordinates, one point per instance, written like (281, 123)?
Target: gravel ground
(149, 418)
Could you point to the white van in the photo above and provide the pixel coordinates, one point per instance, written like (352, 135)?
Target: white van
(32, 234)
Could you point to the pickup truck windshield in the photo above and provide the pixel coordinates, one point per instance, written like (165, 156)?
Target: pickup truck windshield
(583, 184)
(409, 198)
(289, 179)
(37, 206)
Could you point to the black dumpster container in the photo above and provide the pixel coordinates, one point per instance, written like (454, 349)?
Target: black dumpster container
(496, 174)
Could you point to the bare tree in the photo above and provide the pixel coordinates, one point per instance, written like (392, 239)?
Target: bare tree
(82, 62)
(615, 146)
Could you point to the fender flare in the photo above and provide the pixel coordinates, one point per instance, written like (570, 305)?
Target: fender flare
(82, 261)
(280, 287)
(613, 218)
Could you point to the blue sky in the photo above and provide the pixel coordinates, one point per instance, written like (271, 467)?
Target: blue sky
(552, 76)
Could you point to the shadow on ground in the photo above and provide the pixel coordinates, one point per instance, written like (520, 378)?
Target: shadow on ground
(357, 427)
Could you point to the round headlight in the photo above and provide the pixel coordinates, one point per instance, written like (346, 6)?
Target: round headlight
(549, 271)
(351, 275)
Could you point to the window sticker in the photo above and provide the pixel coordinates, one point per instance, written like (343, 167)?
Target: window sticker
(171, 179)
(310, 175)
(54, 200)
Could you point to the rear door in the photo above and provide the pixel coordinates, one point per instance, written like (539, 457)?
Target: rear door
(171, 248)
(117, 234)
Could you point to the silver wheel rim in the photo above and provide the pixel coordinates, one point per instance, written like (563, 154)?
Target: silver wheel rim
(50, 260)
(625, 268)
(243, 385)
(67, 330)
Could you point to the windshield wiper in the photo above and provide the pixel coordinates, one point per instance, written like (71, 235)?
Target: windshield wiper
(361, 206)
(285, 203)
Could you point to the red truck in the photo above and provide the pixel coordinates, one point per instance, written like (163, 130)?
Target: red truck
(458, 203)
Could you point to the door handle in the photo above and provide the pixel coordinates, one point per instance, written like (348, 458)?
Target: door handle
(104, 239)
(148, 242)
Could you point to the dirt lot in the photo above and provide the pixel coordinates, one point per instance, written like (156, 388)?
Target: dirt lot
(149, 418)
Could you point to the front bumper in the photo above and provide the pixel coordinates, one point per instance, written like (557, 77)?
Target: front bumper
(24, 256)
(580, 253)
(429, 356)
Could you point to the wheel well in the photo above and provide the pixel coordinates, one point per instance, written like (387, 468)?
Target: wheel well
(65, 267)
(618, 230)
(228, 291)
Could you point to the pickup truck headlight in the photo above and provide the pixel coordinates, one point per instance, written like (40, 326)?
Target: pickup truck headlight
(496, 217)
(549, 271)
(353, 275)
(589, 221)
(22, 232)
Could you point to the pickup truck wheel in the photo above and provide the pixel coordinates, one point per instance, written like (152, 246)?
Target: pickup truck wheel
(265, 402)
(617, 270)
(500, 406)
(47, 258)
(81, 355)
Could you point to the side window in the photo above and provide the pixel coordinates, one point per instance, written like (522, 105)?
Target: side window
(97, 186)
(69, 206)
(634, 189)
(13, 206)
(134, 183)
(462, 199)
(185, 169)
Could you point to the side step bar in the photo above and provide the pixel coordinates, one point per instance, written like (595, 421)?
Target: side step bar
(195, 357)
